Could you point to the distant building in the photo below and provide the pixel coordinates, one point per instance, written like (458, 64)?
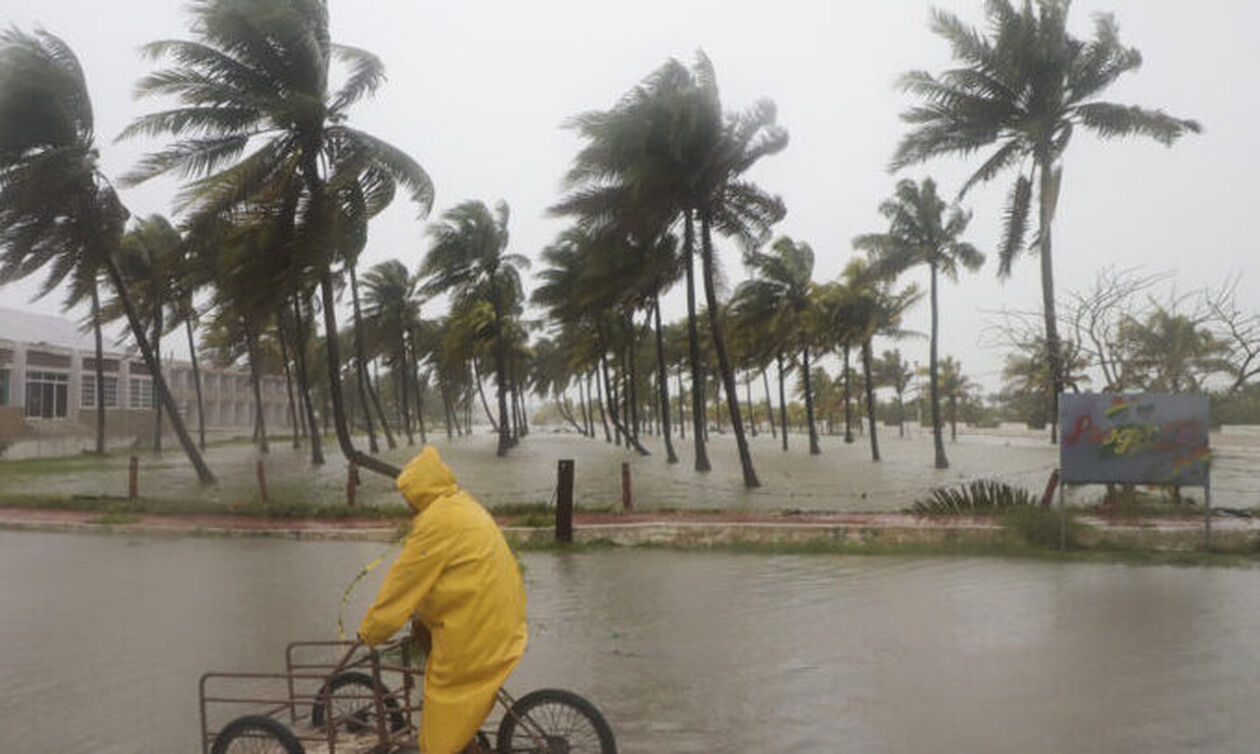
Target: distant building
(48, 386)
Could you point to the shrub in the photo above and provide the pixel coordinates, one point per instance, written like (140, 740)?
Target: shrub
(979, 496)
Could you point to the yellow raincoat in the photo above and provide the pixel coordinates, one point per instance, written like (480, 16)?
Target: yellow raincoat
(458, 576)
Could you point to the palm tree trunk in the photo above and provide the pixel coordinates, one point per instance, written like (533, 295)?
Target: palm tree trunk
(765, 382)
(662, 378)
(260, 419)
(137, 330)
(157, 364)
(100, 368)
(783, 422)
(446, 405)
(933, 391)
(848, 400)
(724, 365)
(413, 371)
(693, 346)
(682, 406)
(500, 367)
(1048, 199)
(901, 415)
(403, 365)
(288, 384)
(334, 378)
(752, 411)
(304, 384)
(613, 414)
(870, 396)
(632, 394)
(582, 409)
(809, 405)
(953, 417)
(196, 370)
(603, 415)
(481, 392)
(375, 397)
(360, 361)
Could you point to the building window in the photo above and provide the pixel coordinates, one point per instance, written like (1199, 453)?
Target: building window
(141, 393)
(4, 387)
(46, 394)
(88, 393)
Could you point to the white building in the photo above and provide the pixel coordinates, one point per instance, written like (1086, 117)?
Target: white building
(48, 386)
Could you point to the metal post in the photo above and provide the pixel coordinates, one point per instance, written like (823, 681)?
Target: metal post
(133, 474)
(564, 501)
(262, 482)
(627, 503)
(1207, 512)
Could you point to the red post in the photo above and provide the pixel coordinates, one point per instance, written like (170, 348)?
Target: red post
(564, 501)
(262, 482)
(627, 504)
(352, 481)
(133, 479)
(1047, 497)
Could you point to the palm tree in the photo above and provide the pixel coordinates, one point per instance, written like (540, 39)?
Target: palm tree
(57, 211)
(667, 151)
(861, 308)
(781, 297)
(469, 256)
(1026, 86)
(148, 259)
(955, 385)
(920, 232)
(257, 76)
(893, 370)
(391, 306)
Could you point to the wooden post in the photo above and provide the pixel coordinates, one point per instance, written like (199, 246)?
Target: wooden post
(1047, 497)
(564, 501)
(627, 503)
(133, 478)
(352, 481)
(262, 482)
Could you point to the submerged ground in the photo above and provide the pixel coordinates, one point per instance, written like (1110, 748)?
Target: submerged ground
(842, 479)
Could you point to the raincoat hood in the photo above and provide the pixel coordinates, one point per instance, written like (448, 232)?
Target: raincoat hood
(425, 478)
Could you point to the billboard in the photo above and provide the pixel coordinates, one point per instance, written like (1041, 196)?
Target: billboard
(1139, 438)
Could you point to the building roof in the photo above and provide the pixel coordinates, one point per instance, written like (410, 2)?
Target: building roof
(45, 329)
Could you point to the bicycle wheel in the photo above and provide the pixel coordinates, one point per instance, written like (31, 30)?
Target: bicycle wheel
(350, 708)
(571, 725)
(256, 734)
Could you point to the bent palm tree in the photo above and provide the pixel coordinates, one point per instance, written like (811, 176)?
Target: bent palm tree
(468, 254)
(1026, 87)
(258, 76)
(57, 211)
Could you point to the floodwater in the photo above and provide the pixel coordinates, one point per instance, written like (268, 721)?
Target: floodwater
(843, 478)
(103, 638)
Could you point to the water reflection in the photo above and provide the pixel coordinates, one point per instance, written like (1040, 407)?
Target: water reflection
(684, 652)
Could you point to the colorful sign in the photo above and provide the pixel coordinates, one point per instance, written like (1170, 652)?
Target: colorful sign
(1143, 438)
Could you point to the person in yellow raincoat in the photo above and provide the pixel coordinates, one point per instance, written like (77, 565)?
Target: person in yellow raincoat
(458, 577)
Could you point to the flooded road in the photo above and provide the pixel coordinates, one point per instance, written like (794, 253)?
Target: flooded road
(102, 640)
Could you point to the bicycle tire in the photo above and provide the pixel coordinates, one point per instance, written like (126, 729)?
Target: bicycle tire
(257, 728)
(571, 724)
(362, 681)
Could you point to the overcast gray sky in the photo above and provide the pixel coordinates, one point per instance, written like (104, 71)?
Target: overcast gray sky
(478, 91)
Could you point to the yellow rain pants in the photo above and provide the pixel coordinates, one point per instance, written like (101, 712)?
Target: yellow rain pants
(456, 574)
